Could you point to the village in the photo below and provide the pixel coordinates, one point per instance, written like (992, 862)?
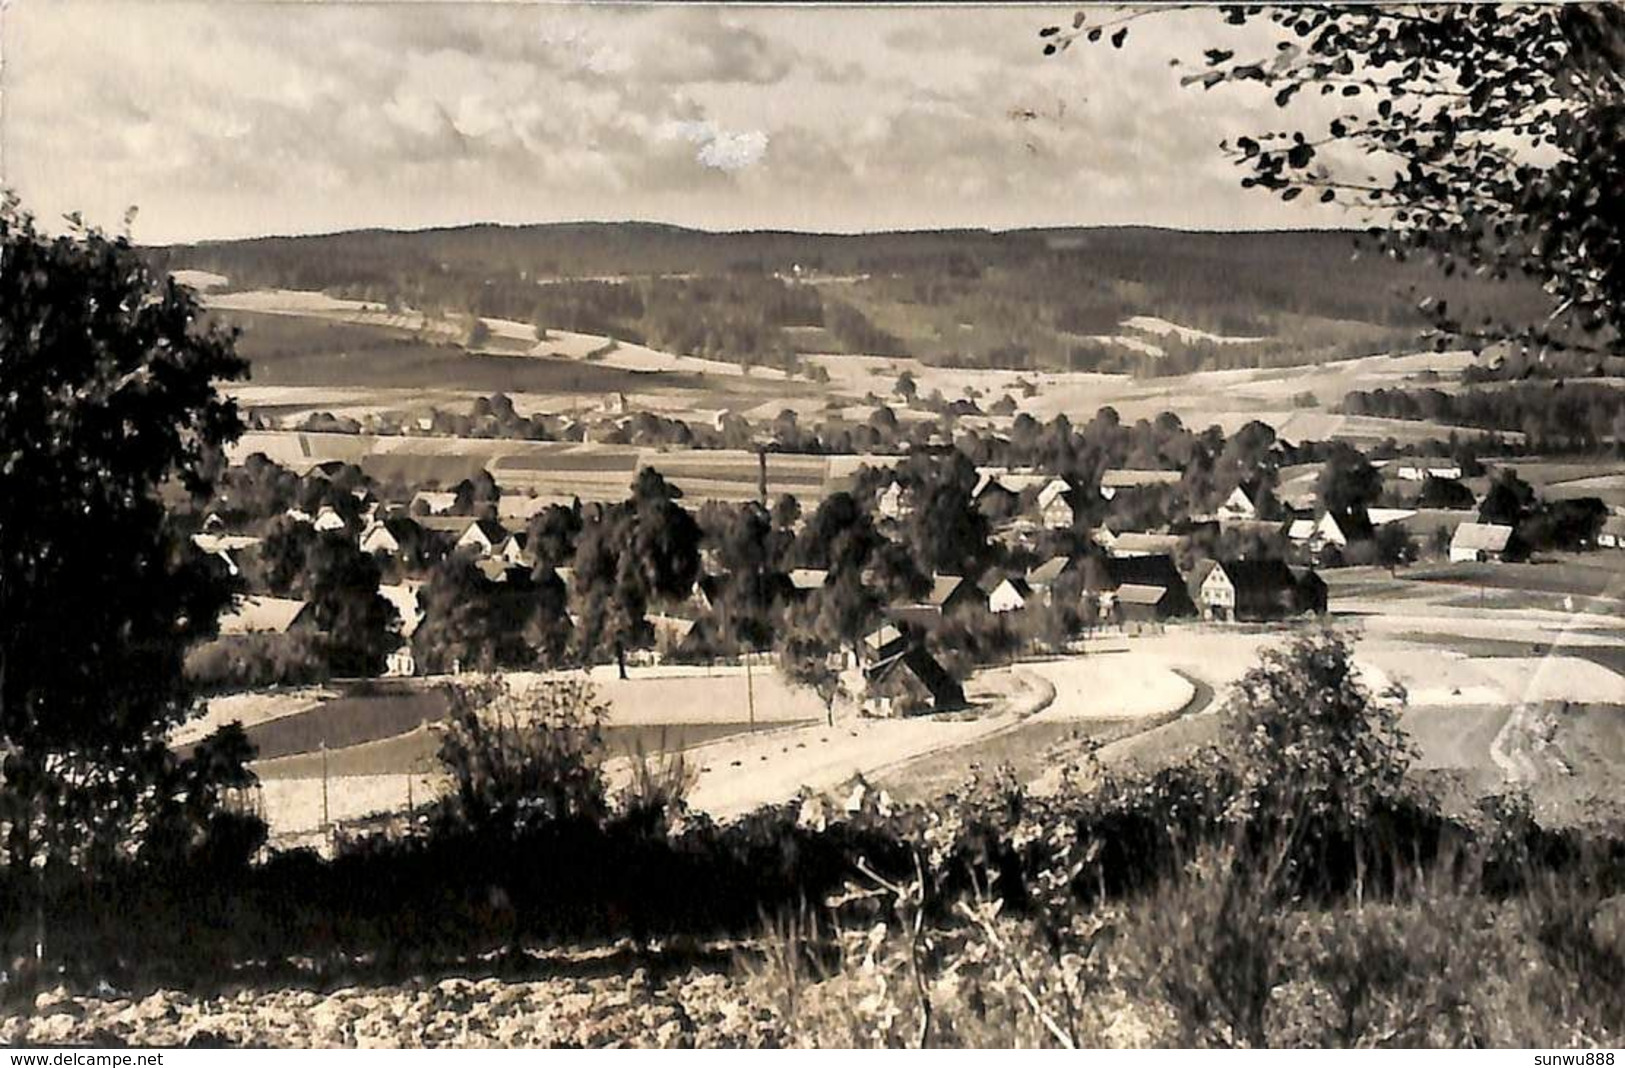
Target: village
(907, 583)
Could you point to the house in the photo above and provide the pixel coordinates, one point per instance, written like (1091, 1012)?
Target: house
(883, 643)
(669, 631)
(995, 500)
(1242, 504)
(804, 580)
(518, 508)
(1420, 470)
(394, 536)
(264, 615)
(513, 550)
(327, 519)
(1342, 529)
(1136, 543)
(1103, 578)
(1055, 509)
(298, 515)
(483, 536)
(1136, 603)
(1311, 590)
(435, 502)
(1611, 535)
(1010, 595)
(496, 569)
(893, 501)
(948, 595)
(1302, 529)
(909, 683)
(1248, 590)
(1381, 517)
(1046, 574)
(1480, 542)
(1114, 481)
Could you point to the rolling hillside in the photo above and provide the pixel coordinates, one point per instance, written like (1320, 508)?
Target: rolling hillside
(1061, 299)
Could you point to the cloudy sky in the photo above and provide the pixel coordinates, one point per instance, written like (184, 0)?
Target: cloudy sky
(225, 119)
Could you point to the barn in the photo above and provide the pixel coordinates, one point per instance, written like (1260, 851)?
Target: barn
(1479, 542)
(910, 683)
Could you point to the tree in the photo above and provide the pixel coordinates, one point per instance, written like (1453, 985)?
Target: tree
(107, 393)
(359, 625)
(1491, 139)
(477, 496)
(479, 333)
(1444, 493)
(1395, 545)
(1318, 751)
(1348, 484)
(807, 659)
(906, 388)
(1509, 500)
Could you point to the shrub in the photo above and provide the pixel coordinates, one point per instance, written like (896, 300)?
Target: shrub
(519, 760)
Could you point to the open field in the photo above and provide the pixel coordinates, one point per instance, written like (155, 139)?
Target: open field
(297, 340)
(555, 469)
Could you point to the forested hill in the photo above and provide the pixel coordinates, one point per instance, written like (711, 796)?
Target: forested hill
(1042, 298)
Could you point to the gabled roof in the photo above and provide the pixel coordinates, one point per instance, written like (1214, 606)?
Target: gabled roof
(261, 615)
(1133, 593)
(1134, 542)
(943, 587)
(1017, 583)
(1307, 576)
(808, 578)
(496, 569)
(882, 636)
(945, 690)
(1482, 537)
(1046, 573)
(1127, 478)
(1053, 489)
(1259, 576)
(492, 531)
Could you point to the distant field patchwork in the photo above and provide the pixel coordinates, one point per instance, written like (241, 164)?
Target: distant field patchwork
(555, 469)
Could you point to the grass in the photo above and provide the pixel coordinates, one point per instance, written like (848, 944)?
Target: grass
(415, 751)
(1595, 575)
(287, 350)
(1028, 751)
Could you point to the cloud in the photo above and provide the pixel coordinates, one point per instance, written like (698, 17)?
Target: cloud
(225, 119)
(722, 149)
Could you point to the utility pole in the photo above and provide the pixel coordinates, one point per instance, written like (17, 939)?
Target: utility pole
(750, 692)
(325, 823)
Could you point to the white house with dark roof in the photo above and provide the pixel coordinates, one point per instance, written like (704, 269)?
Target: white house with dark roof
(1010, 595)
(483, 536)
(327, 519)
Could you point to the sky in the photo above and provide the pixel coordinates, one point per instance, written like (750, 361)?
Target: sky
(229, 119)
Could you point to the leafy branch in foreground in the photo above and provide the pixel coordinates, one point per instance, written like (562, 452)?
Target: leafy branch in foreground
(1490, 138)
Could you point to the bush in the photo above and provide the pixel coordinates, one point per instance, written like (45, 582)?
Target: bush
(521, 760)
(251, 661)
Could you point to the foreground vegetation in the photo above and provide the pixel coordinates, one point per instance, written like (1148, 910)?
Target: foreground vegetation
(1293, 888)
